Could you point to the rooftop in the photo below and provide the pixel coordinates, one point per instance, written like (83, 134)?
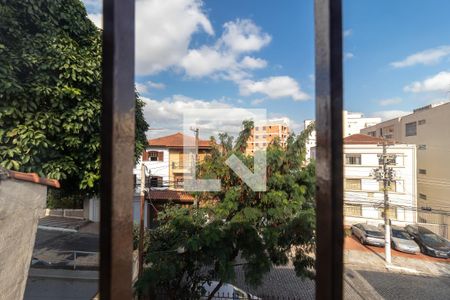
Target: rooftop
(178, 140)
(362, 139)
(32, 177)
(170, 195)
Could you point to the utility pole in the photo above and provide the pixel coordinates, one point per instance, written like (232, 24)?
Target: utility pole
(194, 164)
(141, 221)
(386, 175)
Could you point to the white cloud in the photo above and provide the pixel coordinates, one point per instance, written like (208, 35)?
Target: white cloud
(164, 30)
(257, 101)
(390, 114)
(347, 32)
(426, 57)
(145, 87)
(274, 87)
(253, 63)
(167, 115)
(206, 61)
(389, 101)
(348, 55)
(223, 58)
(97, 19)
(438, 82)
(156, 85)
(244, 36)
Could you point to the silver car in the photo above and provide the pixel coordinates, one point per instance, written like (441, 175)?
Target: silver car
(402, 241)
(368, 234)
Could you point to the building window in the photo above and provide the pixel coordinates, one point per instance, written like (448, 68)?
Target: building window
(156, 155)
(353, 159)
(256, 128)
(423, 196)
(179, 182)
(353, 184)
(264, 128)
(422, 147)
(372, 133)
(153, 181)
(391, 188)
(423, 171)
(411, 129)
(354, 210)
(422, 122)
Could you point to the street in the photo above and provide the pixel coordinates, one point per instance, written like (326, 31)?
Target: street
(399, 286)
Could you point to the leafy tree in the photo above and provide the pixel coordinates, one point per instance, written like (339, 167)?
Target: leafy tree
(50, 93)
(253, 229)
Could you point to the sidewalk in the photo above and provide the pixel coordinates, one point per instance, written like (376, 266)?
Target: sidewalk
(360, 257)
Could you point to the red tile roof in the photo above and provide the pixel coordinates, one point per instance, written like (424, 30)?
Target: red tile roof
(170, 195)
(362, 139)
(33, 177)
(177, 140)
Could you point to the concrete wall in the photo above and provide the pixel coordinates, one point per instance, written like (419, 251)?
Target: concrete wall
(21, 205)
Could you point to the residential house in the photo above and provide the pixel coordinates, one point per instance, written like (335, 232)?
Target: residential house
(168, 161)
(428, 128)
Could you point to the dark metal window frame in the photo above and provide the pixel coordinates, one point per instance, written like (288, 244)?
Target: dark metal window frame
(118, 149)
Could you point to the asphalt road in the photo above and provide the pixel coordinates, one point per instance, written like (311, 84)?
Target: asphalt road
(63, 241)
(399, 286)
(59, 289)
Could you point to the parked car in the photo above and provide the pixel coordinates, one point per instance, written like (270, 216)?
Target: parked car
(429, 242)
(227, 291)
(368, 234)
(402, 241)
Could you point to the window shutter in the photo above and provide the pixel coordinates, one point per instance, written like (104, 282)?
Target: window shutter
(160, 156)
(145, 156)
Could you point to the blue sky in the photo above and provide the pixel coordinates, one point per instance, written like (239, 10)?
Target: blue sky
(260, 54)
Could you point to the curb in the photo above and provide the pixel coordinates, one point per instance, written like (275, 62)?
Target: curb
(63, 274)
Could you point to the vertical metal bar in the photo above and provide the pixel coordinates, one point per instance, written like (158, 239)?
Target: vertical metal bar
(329, 168)
(117, 150)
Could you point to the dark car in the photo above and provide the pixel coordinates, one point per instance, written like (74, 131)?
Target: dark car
(429, 242)
(368, 234)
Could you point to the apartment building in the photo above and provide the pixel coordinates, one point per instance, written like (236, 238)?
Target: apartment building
(363, 194)
(263, 134)
(429, 129)
(353, 122)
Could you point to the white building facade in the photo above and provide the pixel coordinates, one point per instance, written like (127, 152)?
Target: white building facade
(363, 194)
(353, 123)
(428, 128)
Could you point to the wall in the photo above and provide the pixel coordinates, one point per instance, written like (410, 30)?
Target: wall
(21, 205)
(433, 151)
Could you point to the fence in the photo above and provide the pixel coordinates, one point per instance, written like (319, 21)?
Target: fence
(71, 259)
(67, 213)
(230, 295)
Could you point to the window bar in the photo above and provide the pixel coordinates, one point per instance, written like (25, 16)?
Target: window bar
(329, 167)
(117, 150)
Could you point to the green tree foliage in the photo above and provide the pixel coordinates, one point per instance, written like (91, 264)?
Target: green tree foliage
(255, 230)
(50, 92)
